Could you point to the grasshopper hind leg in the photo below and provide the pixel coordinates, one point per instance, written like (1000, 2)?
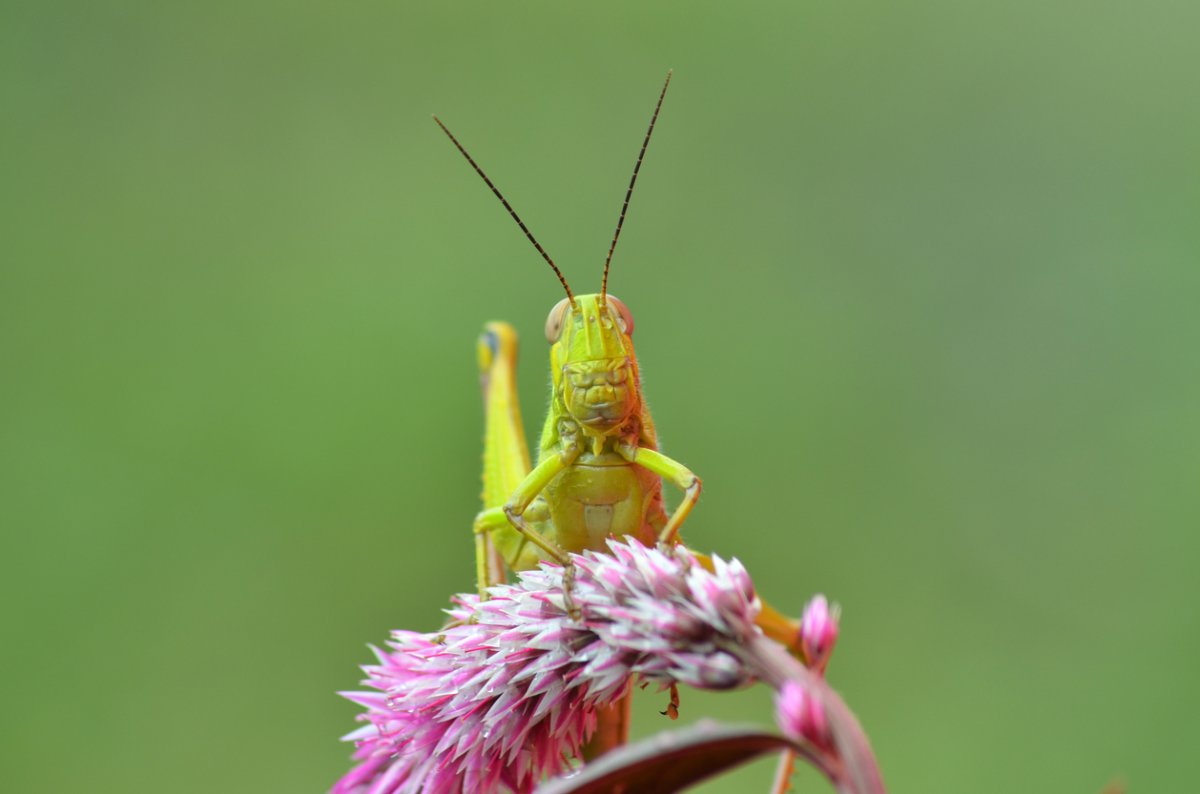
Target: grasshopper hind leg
(505, 452)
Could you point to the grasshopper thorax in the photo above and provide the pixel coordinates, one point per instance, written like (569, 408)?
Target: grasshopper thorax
(593, 362)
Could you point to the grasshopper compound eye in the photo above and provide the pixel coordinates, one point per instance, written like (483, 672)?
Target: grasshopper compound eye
(624, 318)
(554, 321)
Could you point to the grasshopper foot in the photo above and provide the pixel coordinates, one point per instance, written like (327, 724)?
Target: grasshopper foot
(670, 549)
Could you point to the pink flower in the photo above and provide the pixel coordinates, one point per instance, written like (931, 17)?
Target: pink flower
(801, 716)
(818, 632)
(508, 692)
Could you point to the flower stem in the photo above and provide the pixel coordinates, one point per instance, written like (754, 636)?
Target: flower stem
(855, 770)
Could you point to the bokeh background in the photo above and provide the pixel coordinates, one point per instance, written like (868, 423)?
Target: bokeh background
(916, 290)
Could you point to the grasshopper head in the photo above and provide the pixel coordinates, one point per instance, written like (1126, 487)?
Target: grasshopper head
(592, 361)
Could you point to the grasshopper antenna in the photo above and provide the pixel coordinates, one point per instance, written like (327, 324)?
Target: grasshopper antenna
(511, 211)
(629, 193)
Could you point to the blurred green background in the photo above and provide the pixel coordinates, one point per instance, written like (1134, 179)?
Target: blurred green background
(916, 291)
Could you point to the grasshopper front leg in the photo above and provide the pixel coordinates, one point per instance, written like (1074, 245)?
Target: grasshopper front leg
(512, 513)
(774, 623)
(675, 472)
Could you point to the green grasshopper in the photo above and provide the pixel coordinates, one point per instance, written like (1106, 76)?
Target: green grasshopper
(599, 472)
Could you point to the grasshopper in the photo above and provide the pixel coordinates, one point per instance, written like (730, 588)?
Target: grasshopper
(599, 471)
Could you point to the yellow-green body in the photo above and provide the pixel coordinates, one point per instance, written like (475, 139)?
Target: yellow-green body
(598, 472)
